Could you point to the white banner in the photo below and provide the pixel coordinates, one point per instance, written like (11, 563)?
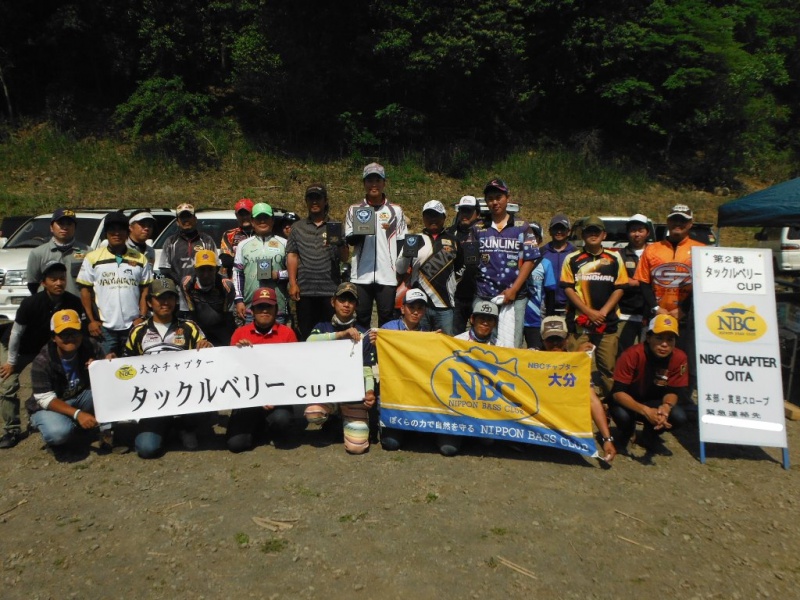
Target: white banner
(196, 381)
(740, 389)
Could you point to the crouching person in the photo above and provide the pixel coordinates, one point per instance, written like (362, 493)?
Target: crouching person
(246, 423)
(649, 380)
(61, 406)
(164, 332)
(343, 326)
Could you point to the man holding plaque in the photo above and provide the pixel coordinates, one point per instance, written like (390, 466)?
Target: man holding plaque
(314, 252)
(376, 229)
(434, 257)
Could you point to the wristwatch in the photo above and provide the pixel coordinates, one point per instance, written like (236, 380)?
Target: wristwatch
(607, 439)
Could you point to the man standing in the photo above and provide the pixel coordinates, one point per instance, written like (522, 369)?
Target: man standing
(375, 254)
(542, 286)
(464, 295)
(141, 225)
(433, 267)
(631, 306)
(313, 262)
(508, 254)
(23, 341)
(114, 280)
(260, 261)
(593, 279)
(343, 326)
(556, 251)
(177, 255)
(245, 423)
(61, 404)
(233, 237)
(649, 381)
(664, 273)
(62, 247)
(164, 332)
(209, 298)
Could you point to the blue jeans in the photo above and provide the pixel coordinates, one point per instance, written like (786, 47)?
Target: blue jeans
(151, 433)
(440, 318)
(114, 341)
(58, 429)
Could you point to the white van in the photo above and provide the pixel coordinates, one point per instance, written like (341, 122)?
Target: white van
(785, 245)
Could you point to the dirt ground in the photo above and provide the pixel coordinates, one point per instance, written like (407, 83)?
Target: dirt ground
(408, 524)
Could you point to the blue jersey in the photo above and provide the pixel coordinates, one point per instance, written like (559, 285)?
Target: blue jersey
(501, 253)
(542, 278)
(398, 325)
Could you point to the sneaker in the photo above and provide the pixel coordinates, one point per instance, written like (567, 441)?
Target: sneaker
(189, 439)
(10, 439)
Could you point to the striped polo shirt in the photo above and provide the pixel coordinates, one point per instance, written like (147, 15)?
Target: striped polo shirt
(318, 271)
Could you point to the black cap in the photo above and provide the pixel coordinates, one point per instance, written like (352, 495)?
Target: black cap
(53, 265)
(116, 218)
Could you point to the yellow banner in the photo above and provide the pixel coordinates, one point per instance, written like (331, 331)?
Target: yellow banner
(435, 383)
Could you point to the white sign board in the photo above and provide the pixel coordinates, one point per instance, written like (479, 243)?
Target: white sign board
(740, 390)
(195, 381)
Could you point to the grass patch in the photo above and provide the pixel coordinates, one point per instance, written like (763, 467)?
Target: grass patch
(242, 538)
(352, 518)
(499, 531)
(431, 497)
(274, 546)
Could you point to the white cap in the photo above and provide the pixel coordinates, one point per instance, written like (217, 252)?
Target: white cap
(434, 205)
(470, 201)
(639, 218)
(141, 217)
(415, 295)
(680, 210)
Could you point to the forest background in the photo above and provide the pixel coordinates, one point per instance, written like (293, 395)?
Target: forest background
(577, 103)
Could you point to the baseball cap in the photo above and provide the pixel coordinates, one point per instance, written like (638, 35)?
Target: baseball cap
(205, 258)
(554, 327)
(467, 202)
(537, 229)
(65, 319)
(559, 219)
(496, 184)
(141, 216)
(680, 210)
(484, 307)
(264, 296)
(53, 265)
(374, 169)
(346, 288)
(435, 206)
(415, 295)
(161, 286)
(663, 324)
(184, 208)
(595, 222)
(638, 218)
(316, 189)
(63, 213)
(115, 218)
(262, 208)
(244, 204)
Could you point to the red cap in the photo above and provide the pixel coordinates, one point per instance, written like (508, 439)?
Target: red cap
(244, 204)
(264, 296)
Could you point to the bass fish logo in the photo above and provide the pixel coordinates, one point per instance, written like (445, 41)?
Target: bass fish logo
(475, 384)
(736, 323)
(125, 372)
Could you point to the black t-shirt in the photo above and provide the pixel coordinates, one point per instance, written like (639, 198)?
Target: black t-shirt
(35, 313)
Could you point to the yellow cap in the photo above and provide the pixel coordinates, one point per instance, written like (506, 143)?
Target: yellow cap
(65, 319)
(664, 324)
(205, 258)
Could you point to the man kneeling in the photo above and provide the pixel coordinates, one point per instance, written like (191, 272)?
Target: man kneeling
(649, 380)
(61, 405)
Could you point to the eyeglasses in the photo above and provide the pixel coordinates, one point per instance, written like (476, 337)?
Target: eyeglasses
(555, 340)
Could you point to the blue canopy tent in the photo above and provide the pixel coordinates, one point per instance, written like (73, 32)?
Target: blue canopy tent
(776, 206)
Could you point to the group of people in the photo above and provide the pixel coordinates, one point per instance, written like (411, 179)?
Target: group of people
(487, 278)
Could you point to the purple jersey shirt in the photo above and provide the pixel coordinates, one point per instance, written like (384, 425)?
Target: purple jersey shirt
(501, 253)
